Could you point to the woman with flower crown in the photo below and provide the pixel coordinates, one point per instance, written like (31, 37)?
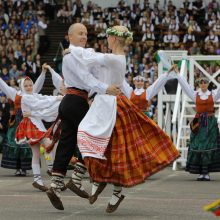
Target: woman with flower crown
(120, 145)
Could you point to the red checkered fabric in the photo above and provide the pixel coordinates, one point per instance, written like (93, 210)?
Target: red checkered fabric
(28, 132)
(138, 148)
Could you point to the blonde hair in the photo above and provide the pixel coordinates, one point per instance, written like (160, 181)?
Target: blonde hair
(124, 35)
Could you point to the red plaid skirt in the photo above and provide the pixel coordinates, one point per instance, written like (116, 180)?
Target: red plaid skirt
(138, 148)
(27, 132)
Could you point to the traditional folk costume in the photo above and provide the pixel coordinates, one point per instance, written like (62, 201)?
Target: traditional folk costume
(204, 152)
(79, 81)
(31, 129)
(119, 144)
(17, 156)
(140, 96)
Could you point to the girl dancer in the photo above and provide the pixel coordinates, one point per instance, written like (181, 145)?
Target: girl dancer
(31, 130)
(17, 156)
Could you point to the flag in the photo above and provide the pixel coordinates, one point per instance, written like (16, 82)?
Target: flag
(165, 59)
(180, 62)
(214, 207)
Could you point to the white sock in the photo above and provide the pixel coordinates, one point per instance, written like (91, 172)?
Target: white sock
(95, 186)
(36, 173)
(116, 195)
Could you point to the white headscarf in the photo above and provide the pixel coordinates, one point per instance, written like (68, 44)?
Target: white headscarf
(22, 83)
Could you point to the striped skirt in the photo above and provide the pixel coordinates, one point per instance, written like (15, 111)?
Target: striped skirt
(204, 149)
(15, 156)
(27, 132)
(137, 149)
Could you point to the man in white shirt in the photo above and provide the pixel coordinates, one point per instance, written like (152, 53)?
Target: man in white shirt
(74, 106)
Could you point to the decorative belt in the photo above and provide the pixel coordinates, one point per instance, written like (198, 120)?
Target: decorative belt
(198, 115)
(203, 118)
(78, 92)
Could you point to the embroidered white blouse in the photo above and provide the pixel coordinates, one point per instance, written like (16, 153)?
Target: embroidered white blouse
(191, 93)
(152, 90)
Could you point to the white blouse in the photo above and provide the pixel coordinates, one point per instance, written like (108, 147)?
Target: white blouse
(49, 114)
(115, 65)
(191, 93)
(11, 92)
(41, 107)
(152, 90)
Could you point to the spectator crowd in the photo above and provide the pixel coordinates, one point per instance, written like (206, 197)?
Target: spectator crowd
(192, 25)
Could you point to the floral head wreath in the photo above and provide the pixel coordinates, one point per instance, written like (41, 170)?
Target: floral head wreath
(114, 32)
(202, 79)
(136, 78)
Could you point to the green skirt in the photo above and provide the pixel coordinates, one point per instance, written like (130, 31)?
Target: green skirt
(148, 114)
(204, 149)
(15, 156)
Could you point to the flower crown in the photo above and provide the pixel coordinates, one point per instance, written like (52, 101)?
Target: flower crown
(114, 32)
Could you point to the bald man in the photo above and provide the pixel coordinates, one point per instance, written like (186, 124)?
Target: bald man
(74, 106)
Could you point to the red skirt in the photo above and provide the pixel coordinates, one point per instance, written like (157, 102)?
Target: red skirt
(138, 148)
(27, 132)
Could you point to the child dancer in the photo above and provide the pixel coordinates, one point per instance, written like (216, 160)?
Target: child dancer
(31, 129)
(17, 156)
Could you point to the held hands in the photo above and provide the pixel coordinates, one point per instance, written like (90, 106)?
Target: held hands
(174, 68)
(26, 114)
(113, 90)
(45, 67)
